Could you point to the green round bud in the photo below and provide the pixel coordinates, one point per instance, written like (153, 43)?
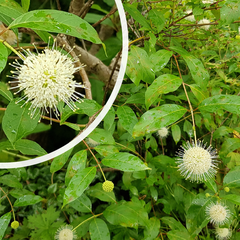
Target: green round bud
(15, 224)
(207, 195)
(226, 189)
(108, 186)
(237, 37)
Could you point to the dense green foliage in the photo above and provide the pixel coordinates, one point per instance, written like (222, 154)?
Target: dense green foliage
(181, 89)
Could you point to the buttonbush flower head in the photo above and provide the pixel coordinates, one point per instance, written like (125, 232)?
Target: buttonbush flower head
(223, 233)
(196, 162)
(191, 17)
(108, 186)
(91, 143)
(65, 233)
(206, 21)
(217, 213)
(15, 224)
(163, 132)
(46, 79)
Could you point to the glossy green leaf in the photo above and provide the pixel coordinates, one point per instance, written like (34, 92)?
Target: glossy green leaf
(153, 230)
(162, 85)
(29, 147)
(82, 204)
(127, 118)
(232, 198)
(4, 221)
(232, 178)
(109, 119)
(133, 11)
(106, 150)
(229, 145)
(139, 66)
(136, 98)
(17, 193)
(72, 125)
(25, 4)
(230, 103)
(96, 191)
(59, 22)
(27, 200)
(101, 136)
(229, 12)
(211, 184)
(4, 89)
(78, 184)
(173, 223)
(157, 118)
(125, 162)
(11, 8)
(127, 214)
(176, 133)
(157, 18)
(17, 121)
(188, 128)
(99, 230)
(198, 72)
(3, 58)
(198, 92)
(160, 59)
(222, 131)
(84, 227)
(59, 161)
(52, 188)
(196, 218)
(87, 106)
(11, 181)
(77, 162)
(178, 235)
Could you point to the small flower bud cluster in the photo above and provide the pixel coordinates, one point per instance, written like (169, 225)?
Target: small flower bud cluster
(108, 186)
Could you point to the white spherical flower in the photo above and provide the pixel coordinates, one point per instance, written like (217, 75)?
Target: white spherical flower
(92, 143)
(191, 17)
(163, 132)
(204, 21)
(46, 79)
(223, 233)
(65, 233)
(196, 162)
(217, 213)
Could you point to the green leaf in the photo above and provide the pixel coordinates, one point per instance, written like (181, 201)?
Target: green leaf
(11, 8)
(11, 181)
(156, 18)
(153, 230)
(59, 161)
(196, 218)
(78, 184)
(127, 214)
(72, 125)
(157, 118)
(4, 221)
(198, 92)
(173, 224)
(178, 235)
(127, 118)
(139, 66)
(125, 162)
(109, 119)
(77, 162)
(176, 133)
(99, 230)
(230, 103)
(188, 128)
(136, 98)
(17, 121)
(102, 136)
(58, 22)
(96, 191)
(198, 72)
(229, 12)
(82, 204)
(87, 106)
(229, 145)
(3, 59)
(232, 198)
(27, 200)
(162, 85)
(4, 88)
(52, 188)
(211, 184)
(29, 147)
(160, 59)
(133, 11)
(25, 4)
(232, 178)
(106, 150)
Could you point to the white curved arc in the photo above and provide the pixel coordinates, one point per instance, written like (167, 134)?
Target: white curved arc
(101, 115)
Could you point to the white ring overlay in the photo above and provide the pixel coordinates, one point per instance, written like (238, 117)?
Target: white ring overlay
(101, 115)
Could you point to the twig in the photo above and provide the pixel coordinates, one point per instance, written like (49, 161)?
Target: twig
(105, 17)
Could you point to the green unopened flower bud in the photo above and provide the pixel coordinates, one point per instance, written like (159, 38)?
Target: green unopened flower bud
(15, 224)
(207, 195)
(108, 186)
(238, 37)
(226, 189)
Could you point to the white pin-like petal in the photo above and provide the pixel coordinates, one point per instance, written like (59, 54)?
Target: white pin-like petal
(217, 213)
(65, 233)
(223, 233)
(196, 162)
(46, 79)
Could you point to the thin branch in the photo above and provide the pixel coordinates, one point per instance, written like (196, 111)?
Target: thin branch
(105, 17)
